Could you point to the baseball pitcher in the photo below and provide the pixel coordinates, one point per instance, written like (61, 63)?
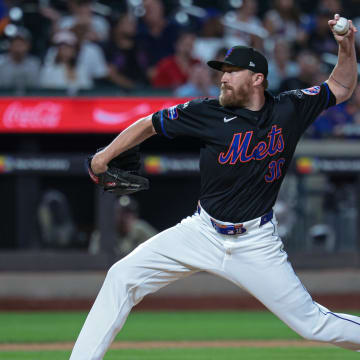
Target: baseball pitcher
(247, 138)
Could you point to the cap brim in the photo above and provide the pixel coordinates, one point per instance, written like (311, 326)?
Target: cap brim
(217, 65)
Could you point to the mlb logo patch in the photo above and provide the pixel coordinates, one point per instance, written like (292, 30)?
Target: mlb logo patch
(311, 91)
(173, 113)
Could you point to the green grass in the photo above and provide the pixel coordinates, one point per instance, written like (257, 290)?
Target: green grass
(143, 326)
(147, 326)
(199, 354)
(227, 325)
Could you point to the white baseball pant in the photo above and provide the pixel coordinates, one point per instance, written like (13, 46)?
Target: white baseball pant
(254, 260)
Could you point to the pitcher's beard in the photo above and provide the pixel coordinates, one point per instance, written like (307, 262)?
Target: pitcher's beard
(228, 98)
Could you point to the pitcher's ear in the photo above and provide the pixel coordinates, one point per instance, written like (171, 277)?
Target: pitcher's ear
(259, 78)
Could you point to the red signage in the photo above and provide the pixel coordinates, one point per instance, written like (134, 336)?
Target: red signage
(75, 115)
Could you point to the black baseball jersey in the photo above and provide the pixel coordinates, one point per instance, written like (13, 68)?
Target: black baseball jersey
(244, 154)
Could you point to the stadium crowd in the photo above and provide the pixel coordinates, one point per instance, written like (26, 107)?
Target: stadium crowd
(163, 45)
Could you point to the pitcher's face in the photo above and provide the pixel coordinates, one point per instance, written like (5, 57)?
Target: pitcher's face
(236, 86)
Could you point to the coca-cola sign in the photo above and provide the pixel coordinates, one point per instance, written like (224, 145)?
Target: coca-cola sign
(44, 115)
(77, 115)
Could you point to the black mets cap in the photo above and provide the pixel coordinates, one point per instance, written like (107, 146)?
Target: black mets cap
(244, 57)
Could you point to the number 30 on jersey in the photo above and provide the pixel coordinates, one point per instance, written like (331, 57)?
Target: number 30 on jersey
(275, 167)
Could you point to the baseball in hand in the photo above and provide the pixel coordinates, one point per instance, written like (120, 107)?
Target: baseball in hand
(342, 26)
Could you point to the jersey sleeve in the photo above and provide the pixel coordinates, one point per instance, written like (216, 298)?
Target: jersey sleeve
(310, 102)
(181, 120)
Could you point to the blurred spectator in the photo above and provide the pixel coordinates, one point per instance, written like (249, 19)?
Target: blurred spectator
(309, 73)
(332, 6)
(331, 122)
(321, 239)
(217, 75)
(284, 19)
(247, 15)
(3, 9)
(211, 36)
(156, 35)
(18, 69)
(81, 14)
(64, 72)
(211, 25)
(127, 61)
(131, 231)
(356, 22)
(4, 17)
(90, 56)
(199, 84)
(342, 120)
(352, 9)
(56, 224)
(280, 65)
(321, 39)
(174, 70)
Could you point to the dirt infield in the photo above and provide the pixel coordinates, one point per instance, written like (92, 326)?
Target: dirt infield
(170, 345)
(332, 301)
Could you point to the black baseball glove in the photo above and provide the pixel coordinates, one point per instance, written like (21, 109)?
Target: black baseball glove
(122, 176)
